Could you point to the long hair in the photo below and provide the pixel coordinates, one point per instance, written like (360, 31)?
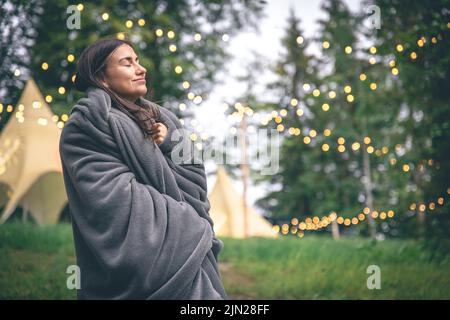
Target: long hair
(91, 69)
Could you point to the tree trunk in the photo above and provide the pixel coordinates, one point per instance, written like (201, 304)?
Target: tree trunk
(369, 197)
(335, 230)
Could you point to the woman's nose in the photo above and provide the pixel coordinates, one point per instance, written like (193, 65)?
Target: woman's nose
(141, 70)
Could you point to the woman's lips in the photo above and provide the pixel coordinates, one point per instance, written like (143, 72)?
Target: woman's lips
(139, 80)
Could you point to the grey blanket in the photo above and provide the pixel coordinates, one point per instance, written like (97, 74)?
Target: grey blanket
(141, 222)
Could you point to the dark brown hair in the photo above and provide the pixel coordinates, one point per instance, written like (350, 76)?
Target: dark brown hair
(91, 69)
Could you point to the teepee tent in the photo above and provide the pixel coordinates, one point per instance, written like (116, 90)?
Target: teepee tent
(30, 166)
(227, 211)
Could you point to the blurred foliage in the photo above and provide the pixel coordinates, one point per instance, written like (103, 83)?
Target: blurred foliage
(138, 21)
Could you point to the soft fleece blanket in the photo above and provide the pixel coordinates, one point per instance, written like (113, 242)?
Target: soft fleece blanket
(140, 221)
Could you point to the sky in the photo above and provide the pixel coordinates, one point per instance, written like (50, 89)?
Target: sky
(267, 43)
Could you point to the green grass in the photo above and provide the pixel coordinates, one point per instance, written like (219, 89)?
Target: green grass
(321, 268)
(33, 262)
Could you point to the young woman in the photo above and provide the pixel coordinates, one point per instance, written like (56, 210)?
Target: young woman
(140, 218)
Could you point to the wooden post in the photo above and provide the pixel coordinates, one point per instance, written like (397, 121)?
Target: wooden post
(244, 170)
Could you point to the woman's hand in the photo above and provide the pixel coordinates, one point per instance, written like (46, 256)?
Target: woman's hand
(161, 133)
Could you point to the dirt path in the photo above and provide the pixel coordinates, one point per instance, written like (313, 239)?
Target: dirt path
(234, 278)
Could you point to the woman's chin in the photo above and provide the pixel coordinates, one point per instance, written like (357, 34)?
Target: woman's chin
(141, 90)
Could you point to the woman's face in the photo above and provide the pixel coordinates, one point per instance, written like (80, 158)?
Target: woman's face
(124, 75)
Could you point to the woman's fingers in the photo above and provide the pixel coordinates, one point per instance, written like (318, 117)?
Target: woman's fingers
(161, 132)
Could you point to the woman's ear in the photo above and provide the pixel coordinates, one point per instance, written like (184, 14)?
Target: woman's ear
(104, 83)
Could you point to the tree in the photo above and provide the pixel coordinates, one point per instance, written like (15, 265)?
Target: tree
(17, 24)
(418, 35)
(181, 43)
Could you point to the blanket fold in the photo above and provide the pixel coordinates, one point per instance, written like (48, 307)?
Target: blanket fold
(140, 221)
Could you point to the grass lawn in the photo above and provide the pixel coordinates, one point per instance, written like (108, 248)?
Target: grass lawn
(34, 260)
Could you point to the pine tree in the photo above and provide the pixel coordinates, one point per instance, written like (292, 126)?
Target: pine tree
(416, 38)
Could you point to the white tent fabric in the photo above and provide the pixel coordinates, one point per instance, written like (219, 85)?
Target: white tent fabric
(227, 211)
(30, 166)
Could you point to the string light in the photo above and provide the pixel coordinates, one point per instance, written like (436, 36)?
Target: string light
(317, 223)
(332, 94)
(171, 34)
(129, 24)
(186, 84)
(178, 69)
(356, 146)
(198, 99)
(294, 102)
